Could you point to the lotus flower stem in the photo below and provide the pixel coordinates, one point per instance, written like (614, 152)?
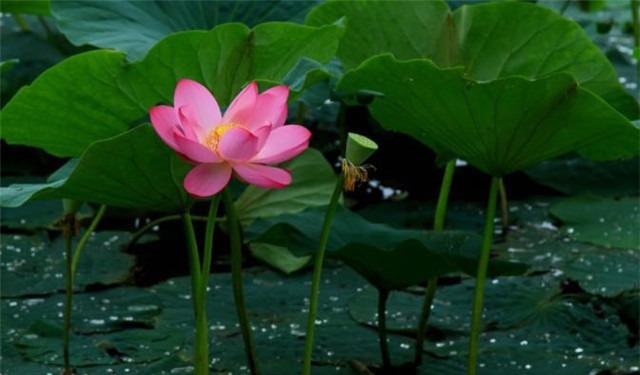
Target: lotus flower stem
(438, 224)
(201, 344)
(208, 241)
(483, 263)
(71, 263)
(236, 279)
(504, 208)
(317, 271)
(68, 300)
(85, 237)
(383, 296)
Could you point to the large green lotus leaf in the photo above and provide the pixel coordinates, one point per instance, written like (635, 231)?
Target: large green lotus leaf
(576, 176)
(134, 169)
(388, 258)
(498, 126)
(491, 41)
(71, 105)
(312, 183)
(96, 95)
(601, 221)
(134, 26)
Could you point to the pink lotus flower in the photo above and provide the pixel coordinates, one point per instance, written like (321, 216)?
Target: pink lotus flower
(249, 135)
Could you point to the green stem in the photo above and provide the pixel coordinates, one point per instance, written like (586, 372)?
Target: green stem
(443, 197)
(236, 280)
(635, 15)
(71, 263)
(85, 237)
(483, 263)
(438, 224)
(208, 241)
(383, 296)
(317, 271)
(504, 208)
(201, 345)
(145, 228)
(22, 23)
(68, 300)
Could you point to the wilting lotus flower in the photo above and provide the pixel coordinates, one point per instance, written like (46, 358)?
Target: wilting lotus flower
(249, 135)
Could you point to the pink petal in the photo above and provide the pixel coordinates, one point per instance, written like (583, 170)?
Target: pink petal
(271, 106)
(165, 123)
(262, 175)
(195, 151)
(238, 144)
(189, 122)
(283, 144)
(207, 111)
(262, 132)
(206, 180)
(242, 107)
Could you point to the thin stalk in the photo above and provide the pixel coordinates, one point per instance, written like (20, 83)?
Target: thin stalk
(317, 271)
(483, 263)
(236, 280)
(85, 237)
(201, 345)
(504, 208)
(22, 23)
(565, 6)
(635, 16)
(438, 224)
(145, 228)
(383, 296)
(208, 241)
(68, 300)
(71, 263)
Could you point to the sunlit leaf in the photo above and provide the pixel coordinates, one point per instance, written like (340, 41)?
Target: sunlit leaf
(96, 95)
(139, 172)
(36, 7)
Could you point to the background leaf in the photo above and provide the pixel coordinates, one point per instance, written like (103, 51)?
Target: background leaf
(498, 126)
(134, 26)
(313, 181)
(601, 221)
(388, 258)
(577, 176)
(491, 41)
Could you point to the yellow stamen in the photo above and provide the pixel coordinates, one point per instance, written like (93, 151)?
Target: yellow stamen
(212, 138)
(354, 174)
